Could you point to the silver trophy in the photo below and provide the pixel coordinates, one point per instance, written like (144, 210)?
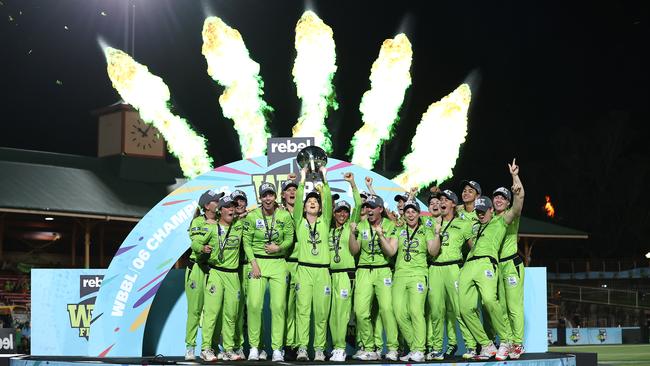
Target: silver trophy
(312, 157)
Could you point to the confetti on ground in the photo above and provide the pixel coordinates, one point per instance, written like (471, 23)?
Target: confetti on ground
(59, 82)
(29, 52)
(20, 12)
(11, 19)
(103, 13)
(65, 27)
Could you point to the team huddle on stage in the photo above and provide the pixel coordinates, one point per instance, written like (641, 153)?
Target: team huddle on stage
(406, 278)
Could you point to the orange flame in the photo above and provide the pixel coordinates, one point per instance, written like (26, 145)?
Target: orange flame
(548, 207)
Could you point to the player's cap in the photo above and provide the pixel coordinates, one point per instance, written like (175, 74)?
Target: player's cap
(483, 204)
(266, 187)
(209, 196)
(238, 194)
(472, 183)
(226, 201)
(449, 194)
(342, 205)
(502, 191)
(288, 184)
(401, 197)
(412, 204)
(374, 201)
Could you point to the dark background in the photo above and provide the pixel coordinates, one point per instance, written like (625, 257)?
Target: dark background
(562, 86)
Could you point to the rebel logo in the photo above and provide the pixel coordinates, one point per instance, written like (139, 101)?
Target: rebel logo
(278, 149)
(80, 314)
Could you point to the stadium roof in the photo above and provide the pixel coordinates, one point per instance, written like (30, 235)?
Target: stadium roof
(111, 188)
(123, 188)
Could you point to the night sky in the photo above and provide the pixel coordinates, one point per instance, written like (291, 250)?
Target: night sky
(561, 86)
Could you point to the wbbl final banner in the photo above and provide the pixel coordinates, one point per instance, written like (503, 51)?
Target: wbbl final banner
(62, 306)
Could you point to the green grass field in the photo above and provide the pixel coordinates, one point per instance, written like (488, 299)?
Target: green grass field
(623, 355)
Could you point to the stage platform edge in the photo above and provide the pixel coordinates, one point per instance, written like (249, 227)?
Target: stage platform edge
(530, 359)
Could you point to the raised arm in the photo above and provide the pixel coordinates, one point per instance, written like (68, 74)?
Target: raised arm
(353, 243)
(413, 192)
(356, 210)
(371, 190)
(326, 197)
(518, 194)
(300, 193)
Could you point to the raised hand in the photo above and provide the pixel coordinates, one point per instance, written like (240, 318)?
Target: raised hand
(514, 168)
(434, 189)
(369, 181)
(348, 177)
(292, 176)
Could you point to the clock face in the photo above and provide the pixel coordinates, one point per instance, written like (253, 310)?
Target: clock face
(142, 138)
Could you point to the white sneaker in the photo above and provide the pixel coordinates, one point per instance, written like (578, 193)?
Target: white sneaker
(263, 355)
(319, 355)
(516, 351)
(406, 357)
(221, 355)
(208, 355)
(503, 352)
(391, 355)
(231, 356)
(338, 355)
(367, 356)
(417, 356)
(189, 354)
(487, 352)
(302, 355)
(358, 354)
(377, 354)
(277, 356)
(240, 353)
(253, 354)
(469, 354)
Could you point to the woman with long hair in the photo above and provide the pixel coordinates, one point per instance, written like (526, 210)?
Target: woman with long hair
(268, 235)
(196, 272)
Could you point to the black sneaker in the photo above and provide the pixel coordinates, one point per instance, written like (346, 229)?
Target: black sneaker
(451, 351)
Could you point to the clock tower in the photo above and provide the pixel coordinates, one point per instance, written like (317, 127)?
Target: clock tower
(121, 131)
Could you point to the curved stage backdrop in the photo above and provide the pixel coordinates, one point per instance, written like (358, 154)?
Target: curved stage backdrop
(160, 238)
(145, 258)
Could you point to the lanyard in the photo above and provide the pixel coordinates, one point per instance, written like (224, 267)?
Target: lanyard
(269, 231)
(312, 237)
(407, 256)
(371, 245)
(481, 229)
(222, 244)
(337, 240)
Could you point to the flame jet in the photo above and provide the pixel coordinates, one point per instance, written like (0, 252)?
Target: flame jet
(429, 160)
(230, 65)
(389, 79)
(150, 96)
(313, 71)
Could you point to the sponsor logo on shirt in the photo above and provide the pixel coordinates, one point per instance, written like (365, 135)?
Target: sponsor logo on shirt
(259, 224)
(489, 273)
(429, 223)
(420, 287)
(213, 289)
(364, 235)
(456, 285)
(388, 281)
(344, 293)
(297, 287)
(328, 290)
(512, 281)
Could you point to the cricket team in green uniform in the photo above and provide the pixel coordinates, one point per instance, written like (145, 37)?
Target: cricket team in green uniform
(408, 276)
